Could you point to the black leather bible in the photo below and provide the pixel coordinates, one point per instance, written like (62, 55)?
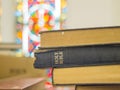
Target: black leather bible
(78, 56)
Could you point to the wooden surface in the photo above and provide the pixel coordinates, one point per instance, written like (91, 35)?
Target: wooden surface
(23, 82)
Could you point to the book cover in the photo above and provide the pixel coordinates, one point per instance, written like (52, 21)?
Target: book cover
(80, 37)
(101, 87)
(91, 75)
(78, 56)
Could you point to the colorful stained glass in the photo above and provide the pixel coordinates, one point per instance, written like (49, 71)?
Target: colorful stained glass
(41, 18)
(19, 24)
(63, 13)
(19, 20)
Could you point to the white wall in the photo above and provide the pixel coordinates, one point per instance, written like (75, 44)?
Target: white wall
(0, 20)
(93, 13)
(8, 21)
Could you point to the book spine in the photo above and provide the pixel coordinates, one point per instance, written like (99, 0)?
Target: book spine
(78, 56)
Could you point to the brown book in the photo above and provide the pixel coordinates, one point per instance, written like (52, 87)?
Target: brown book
(104, 87)
(80, 37)
(108, 74)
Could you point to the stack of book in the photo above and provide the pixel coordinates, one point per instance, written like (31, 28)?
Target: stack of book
(88, 58)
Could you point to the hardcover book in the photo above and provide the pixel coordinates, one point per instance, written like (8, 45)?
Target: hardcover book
(77, 37)
(91, 75)
(78, 56)
(101, 87)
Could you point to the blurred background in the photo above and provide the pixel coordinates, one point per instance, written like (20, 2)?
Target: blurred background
(21, 21)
